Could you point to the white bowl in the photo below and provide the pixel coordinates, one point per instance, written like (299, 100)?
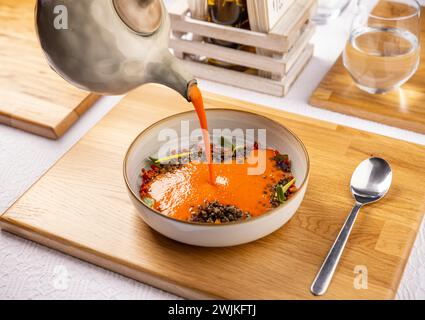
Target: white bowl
(218, 235)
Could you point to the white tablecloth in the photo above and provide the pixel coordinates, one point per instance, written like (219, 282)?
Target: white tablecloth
(31, 271)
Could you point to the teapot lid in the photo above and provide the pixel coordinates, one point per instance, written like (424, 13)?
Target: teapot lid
(141, 16)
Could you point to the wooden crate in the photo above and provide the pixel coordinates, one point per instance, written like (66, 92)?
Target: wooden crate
(287, 47)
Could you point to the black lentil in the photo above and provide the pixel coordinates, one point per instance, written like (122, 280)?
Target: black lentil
(215, 212)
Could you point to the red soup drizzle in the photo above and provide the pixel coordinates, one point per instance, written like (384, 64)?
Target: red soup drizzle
(198, 102)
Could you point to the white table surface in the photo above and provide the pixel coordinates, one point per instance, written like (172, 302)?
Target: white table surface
(32, 271)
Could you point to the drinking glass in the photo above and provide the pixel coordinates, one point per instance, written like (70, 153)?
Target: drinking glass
(382, 52)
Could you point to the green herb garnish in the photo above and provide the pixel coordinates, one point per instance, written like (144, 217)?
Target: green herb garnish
(281, 190)
(225, 143)
(280, 157)
(148, 201)
(152, 159)
(238, 148)
(166, 159)
(280, 194)
(288, 185)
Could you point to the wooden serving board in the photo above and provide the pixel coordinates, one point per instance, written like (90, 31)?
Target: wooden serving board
(32, 96)
(81, 207)
(403, 108)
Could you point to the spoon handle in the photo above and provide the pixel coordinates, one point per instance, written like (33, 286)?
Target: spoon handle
(324, 277)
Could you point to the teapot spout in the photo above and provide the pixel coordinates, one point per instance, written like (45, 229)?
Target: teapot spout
(171, 72)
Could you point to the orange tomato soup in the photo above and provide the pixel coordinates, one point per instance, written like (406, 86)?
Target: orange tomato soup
(179, 193)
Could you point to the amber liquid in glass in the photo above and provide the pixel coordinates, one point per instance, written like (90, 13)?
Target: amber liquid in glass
(380, 59)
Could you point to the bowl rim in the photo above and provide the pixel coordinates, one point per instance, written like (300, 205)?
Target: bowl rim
(207, 225)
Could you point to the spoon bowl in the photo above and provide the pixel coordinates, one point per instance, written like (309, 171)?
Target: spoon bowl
(371, 180)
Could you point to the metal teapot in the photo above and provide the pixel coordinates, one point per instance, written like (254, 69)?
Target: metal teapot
(110, 46)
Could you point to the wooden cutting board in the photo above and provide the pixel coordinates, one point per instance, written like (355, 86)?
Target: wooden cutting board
(32, 96)
(81, 207)
(403, 108)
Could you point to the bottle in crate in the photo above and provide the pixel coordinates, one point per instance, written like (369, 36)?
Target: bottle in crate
(232, 13)
(229, 12)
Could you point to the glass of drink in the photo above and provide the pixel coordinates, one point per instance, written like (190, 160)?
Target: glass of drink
(383, 50)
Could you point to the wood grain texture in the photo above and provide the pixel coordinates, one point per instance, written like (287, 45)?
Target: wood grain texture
(280, 39)
(403, 108)
(280, 65)
(32, 96)
(294, 19)
(81, 207)
(248, 81)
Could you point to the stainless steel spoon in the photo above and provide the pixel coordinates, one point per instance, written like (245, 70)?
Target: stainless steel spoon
(370, 182)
